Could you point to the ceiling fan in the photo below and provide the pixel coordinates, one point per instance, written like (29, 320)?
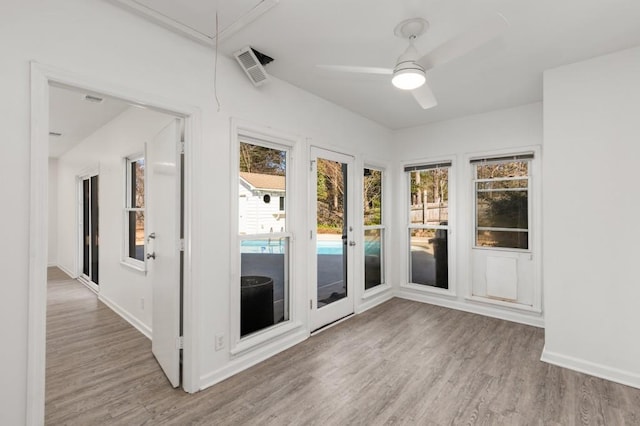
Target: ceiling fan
(410, 70)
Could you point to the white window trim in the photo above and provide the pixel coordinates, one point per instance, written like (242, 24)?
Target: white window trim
(535, 228)
(270, 138)
(126, 260)
(384, 285)
(451, 292)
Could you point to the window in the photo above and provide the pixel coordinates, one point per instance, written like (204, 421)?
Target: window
(373, 228)
(263, 236)
(502, 201)
(134, 211)
(429, 224)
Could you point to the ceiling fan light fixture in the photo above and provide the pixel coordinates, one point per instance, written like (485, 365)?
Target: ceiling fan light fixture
(408, 78)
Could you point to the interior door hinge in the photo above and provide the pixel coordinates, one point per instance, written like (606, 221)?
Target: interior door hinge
(181, 244)
(182, 147)
(310, 304)
(311, 165)
(180, 342)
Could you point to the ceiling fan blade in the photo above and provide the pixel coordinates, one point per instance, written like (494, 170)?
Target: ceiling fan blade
(465, 42)
(360, 70)
(425, 96)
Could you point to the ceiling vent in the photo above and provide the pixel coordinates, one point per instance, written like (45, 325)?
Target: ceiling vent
(94, 99)
(252, 63)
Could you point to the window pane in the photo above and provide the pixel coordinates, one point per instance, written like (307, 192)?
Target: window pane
(264, 284)
(430, 196)
(502, 169)
(373, 258)
(137, 183)
(504, 239)
(502, 185)
(503, 209)
(372, 197)
(429, 257)
(136, 235)
(262, 189)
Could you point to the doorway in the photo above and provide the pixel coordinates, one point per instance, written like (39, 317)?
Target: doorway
(42, 79)
(332, 257)
(142, 228)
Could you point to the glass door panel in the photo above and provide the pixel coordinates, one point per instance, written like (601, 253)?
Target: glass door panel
(94, 229)
(331, 241)
(89, 219)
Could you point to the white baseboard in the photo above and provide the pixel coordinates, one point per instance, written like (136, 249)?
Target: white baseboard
(532, 319)
(252, 358)
(139, 325)
(66, 271)
(593, 369)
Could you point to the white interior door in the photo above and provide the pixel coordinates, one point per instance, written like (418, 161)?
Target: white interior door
(163, 249)
(333, 239)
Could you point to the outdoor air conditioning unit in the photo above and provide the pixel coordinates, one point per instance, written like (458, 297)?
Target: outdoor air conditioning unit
(252, 63)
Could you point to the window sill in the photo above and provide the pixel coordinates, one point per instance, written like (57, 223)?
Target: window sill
(424, 288)
(264, 336)
(375, 291)
(496, 302)
(135, 265)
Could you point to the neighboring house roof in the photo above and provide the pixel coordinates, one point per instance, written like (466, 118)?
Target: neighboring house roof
(262, 182)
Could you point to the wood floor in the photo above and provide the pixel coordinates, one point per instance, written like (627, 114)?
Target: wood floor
(400, 363)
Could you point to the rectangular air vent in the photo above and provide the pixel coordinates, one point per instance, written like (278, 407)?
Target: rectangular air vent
(251, 66)
(94, 99)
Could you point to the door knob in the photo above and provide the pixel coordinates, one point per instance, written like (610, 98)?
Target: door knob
(151, 255)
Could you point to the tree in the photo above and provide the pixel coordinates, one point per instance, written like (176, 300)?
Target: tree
(260, 159)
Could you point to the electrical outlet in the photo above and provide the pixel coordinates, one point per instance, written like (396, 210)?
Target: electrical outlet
(219, 342)
(142, 303)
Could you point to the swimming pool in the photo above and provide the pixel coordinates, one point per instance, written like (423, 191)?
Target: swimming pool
(277, 246)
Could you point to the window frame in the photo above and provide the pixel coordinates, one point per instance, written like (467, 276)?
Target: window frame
(450, 163)
(382, 227)
(243, 131)
(475, 181)
(127, 260)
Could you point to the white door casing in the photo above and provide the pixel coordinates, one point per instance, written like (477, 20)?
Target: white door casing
(163, 246)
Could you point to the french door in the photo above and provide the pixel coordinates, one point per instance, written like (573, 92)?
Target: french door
(332, 237)
(90, 240)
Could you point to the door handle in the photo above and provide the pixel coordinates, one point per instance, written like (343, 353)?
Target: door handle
(352, 243)
(152, 236)
(151, 255)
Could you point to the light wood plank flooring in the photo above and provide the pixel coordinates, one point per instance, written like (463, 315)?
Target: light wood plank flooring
(400, 363)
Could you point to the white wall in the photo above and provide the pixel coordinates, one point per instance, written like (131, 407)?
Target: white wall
(512, 128)
(121, 286)
(591, 210)
(53, 212)
(79, 36)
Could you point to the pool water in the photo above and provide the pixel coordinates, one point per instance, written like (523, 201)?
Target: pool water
(277, 246)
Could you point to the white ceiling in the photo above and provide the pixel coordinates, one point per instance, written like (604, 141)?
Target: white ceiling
(506, 72)
(76, 118)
